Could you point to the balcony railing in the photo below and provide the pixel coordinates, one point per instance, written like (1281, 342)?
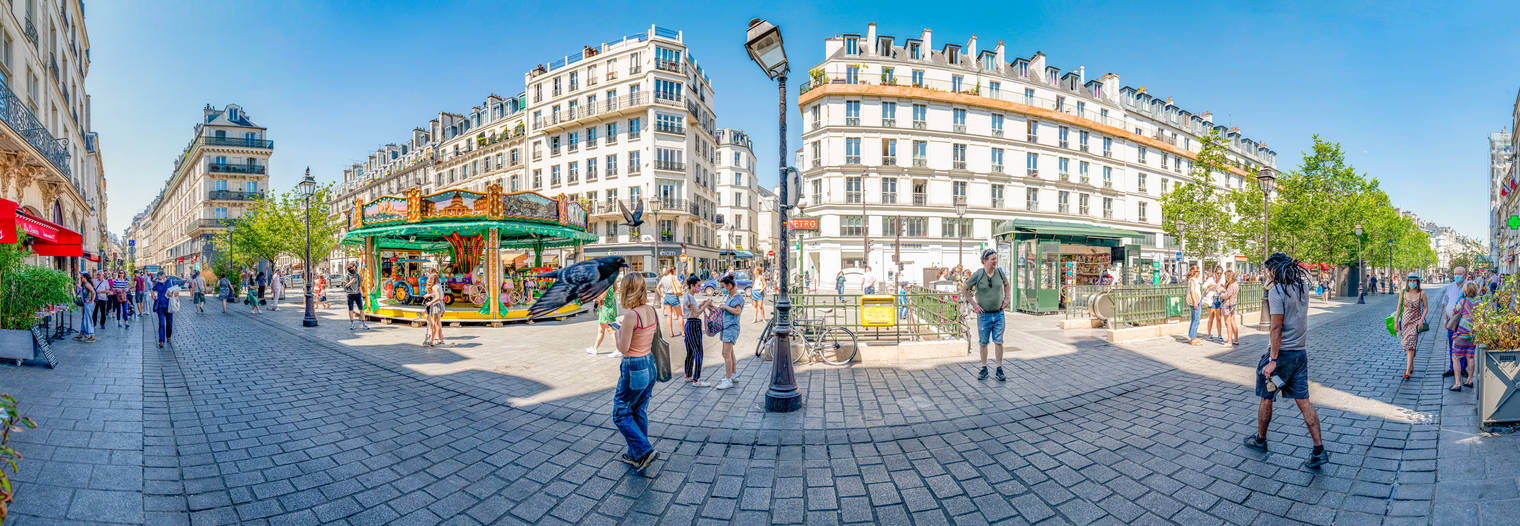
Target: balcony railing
(667, 65)
(920, 162)
(31, 31)
(237, 141)
(919, 125)
(234, 195)
(958, 165)
(852, 159)
(997, 132)
(852, 121)
(202, 224)
(997, 168)
(236, 168)
(889, 123)
(920, 199)
(670, 128)
(958, 128)
(675, 166)
(20, 118)
(889, 160)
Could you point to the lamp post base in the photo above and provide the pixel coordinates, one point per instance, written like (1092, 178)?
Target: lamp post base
(310, 320)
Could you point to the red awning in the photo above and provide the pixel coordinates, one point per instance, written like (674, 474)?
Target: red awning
(47, 237)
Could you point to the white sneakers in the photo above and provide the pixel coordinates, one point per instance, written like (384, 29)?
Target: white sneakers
(700, 383)
(591, 350)
(725, 383)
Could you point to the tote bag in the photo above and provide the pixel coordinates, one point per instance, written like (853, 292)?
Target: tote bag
(660, 351)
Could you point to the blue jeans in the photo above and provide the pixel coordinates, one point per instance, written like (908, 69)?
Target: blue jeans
(630, 400)
(989, 326)
(1193, 326)
(85, 328)
(165, 325)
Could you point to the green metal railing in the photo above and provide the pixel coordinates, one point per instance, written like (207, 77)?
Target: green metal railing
(1148, 304)
(922, 315)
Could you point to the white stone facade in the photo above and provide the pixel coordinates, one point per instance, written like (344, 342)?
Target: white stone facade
(895, 130)
(1504, 195)
(738, 202)
(220, 175)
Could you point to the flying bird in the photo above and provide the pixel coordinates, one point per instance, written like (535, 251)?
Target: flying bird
(582, 282)
(636, 217)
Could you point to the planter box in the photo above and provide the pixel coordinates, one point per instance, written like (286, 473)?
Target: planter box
(16, 345)
(1498, 387)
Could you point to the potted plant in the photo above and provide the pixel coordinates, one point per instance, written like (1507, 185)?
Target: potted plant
(1495, 326)
(12, 421)
(24, 291)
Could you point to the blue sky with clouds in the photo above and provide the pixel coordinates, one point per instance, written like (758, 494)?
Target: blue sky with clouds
(1411, 89)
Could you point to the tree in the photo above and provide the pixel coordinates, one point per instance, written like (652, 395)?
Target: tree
(1196, 212)
(1318, 205)
(324, 227)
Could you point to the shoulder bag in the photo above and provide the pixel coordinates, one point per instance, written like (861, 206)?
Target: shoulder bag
(660, 351)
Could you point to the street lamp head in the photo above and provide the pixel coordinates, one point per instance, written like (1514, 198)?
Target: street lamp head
(1265, 178)
(763, 42)
(960, 205)
(1358, 229)
(654, 204)
(308, 185)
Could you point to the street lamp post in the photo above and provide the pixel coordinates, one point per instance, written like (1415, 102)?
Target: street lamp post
(308, 187)
(654, 218)
(1361, 269)
(1391, 272)
(763, 42)
(960, 229)
(1265, 179)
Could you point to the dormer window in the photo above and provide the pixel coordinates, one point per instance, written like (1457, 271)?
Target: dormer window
(913, 52)
(232, 114)
(952, 53)
(851, 45)
(1021, 68)
(884, 46)
(989, 61)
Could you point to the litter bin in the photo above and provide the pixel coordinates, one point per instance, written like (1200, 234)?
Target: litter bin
(1176, 307)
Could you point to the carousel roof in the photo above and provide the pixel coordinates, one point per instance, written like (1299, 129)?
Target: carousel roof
(423, 222)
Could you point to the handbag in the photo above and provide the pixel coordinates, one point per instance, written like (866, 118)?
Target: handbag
(1455, 321)
(173, 306)
(660, 351)
(712, 322)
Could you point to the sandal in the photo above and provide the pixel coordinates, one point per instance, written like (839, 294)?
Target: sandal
(1455, 388)
(1467, 384)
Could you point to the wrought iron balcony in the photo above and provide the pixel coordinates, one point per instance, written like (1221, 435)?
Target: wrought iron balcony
(676, 166)
(237, 141)
(20, 118)
(234, 195)
(667, 65)
(202, 224)
(31, 31)
(236, 168)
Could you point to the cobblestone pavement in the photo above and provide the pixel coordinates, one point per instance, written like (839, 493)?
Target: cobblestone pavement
(255, 420)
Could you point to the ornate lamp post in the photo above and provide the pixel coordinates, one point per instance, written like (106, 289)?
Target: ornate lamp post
(1361, 269)
(308, 187)
(763, 42)
(1265, 178)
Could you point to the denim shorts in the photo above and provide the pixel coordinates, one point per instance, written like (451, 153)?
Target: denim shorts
(672, 300)
(1293, 368)
(730, 334)
(989, 326)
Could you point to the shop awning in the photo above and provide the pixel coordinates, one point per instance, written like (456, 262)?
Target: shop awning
(1054, 228)
(744, 254)
(47, 238)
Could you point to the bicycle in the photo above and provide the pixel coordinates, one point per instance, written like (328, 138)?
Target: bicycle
(831, 345)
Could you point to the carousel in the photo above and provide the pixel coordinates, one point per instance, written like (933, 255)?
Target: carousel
(465, 236)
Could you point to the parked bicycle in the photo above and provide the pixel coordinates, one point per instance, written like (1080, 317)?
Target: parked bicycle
(830, 345)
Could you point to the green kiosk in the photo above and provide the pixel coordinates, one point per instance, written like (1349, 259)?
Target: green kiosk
(1049, 258)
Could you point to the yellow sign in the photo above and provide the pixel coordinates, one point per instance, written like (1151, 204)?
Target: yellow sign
(878, 310)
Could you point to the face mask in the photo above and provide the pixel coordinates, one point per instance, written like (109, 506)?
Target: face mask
(1459, 279)
(1411, 285)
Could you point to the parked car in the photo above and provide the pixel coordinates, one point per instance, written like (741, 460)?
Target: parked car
(651, 280)
(741, 279)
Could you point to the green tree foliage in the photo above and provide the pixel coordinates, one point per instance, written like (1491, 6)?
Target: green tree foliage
(26, 289)
(1197, 212)
(1316, 206)
(276, 226)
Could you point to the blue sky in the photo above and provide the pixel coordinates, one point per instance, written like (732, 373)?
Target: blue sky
(1411, 90)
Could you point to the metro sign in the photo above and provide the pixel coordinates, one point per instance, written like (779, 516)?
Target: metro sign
(803, 223)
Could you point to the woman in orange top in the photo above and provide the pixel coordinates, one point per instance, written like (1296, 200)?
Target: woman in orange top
(636, 375)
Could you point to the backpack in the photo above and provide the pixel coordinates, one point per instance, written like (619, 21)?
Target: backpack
(81, 296)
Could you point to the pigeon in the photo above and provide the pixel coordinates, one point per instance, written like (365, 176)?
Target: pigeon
(582, 282)
(636, 217)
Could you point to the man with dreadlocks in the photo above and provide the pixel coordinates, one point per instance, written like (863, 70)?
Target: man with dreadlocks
(1288, 304)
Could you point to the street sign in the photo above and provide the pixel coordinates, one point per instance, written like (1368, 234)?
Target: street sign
(803, 223)
(131, 242)
(683, 258)
(770, 253)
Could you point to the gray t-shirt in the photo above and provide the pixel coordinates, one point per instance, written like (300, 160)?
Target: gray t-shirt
(1294, 306)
